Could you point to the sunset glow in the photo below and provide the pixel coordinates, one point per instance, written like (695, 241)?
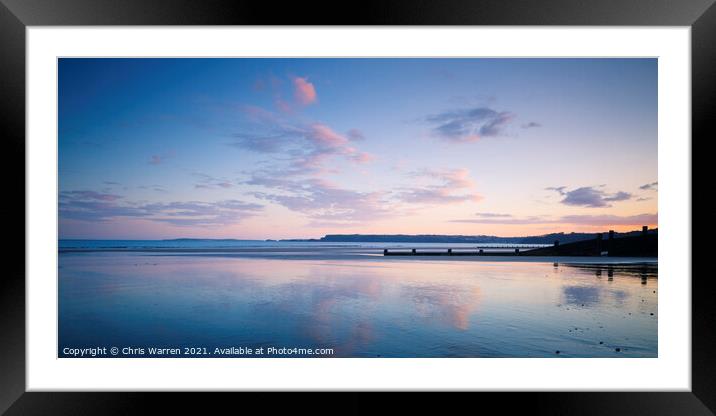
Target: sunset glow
(299, 148)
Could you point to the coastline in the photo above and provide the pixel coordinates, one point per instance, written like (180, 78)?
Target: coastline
(351, 253)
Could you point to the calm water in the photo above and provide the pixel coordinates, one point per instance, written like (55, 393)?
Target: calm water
(364, 307)
(188, 244)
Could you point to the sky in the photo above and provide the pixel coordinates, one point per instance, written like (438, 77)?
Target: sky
(253, 148)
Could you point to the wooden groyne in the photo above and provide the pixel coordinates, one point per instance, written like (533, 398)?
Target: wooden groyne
(643, 245)
(452, 252)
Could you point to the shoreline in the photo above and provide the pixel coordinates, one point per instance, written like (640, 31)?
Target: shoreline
(344, 253)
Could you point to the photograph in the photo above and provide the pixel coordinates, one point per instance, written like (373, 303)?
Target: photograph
(450, 196)
(357, 207)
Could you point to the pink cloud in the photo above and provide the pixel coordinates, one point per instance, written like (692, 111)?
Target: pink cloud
(361, 157)
(454, 186)
(283, 106)
(327, 143)
(308, 148)
(304, 91)
(356, 135)
(323, 202)
(325, 137)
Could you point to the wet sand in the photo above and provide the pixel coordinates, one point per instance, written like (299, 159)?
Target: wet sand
(355, 253)
(365, 306)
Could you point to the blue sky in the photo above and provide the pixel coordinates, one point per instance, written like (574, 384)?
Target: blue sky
(285, 148)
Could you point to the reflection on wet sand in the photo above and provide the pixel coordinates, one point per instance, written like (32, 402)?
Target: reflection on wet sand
(641, 270)
(361, 308)
(450, 305)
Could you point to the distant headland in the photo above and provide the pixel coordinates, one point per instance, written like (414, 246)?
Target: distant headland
(563, 238)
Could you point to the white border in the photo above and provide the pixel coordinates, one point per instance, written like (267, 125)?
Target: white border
(670, 371)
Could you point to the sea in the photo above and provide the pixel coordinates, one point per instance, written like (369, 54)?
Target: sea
(267, 299)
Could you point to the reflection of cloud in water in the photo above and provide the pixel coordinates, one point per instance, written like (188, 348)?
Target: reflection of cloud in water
(388, 308)
(591, 296)
(325, 305)
(581, 295)
(450, 304)
(620, 297)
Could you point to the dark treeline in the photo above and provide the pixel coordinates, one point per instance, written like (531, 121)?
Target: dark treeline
(470, 239)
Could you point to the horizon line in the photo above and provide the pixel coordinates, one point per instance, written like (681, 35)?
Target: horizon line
(353, 234)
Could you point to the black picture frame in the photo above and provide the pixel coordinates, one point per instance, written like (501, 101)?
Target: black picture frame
(16, 15)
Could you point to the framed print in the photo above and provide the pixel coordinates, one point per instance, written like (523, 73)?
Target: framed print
(410, 199)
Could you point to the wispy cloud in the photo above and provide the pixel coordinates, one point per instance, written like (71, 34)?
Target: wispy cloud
(559, 189)
(261, 143)
(89, 196)
(324, 142)
(303, 153)
(453, 186)
(507, 221)
(93, 207)
(155, 188)
(618, 196)
(593, 220)
(355, 135)
(210, 182)
(654, 186)
(589, 196)
(322, 202)
(492, 215)
(604, 220)
(305, 147)
(327, 204)
(202, 214)
(531, 125)
(469, 125)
